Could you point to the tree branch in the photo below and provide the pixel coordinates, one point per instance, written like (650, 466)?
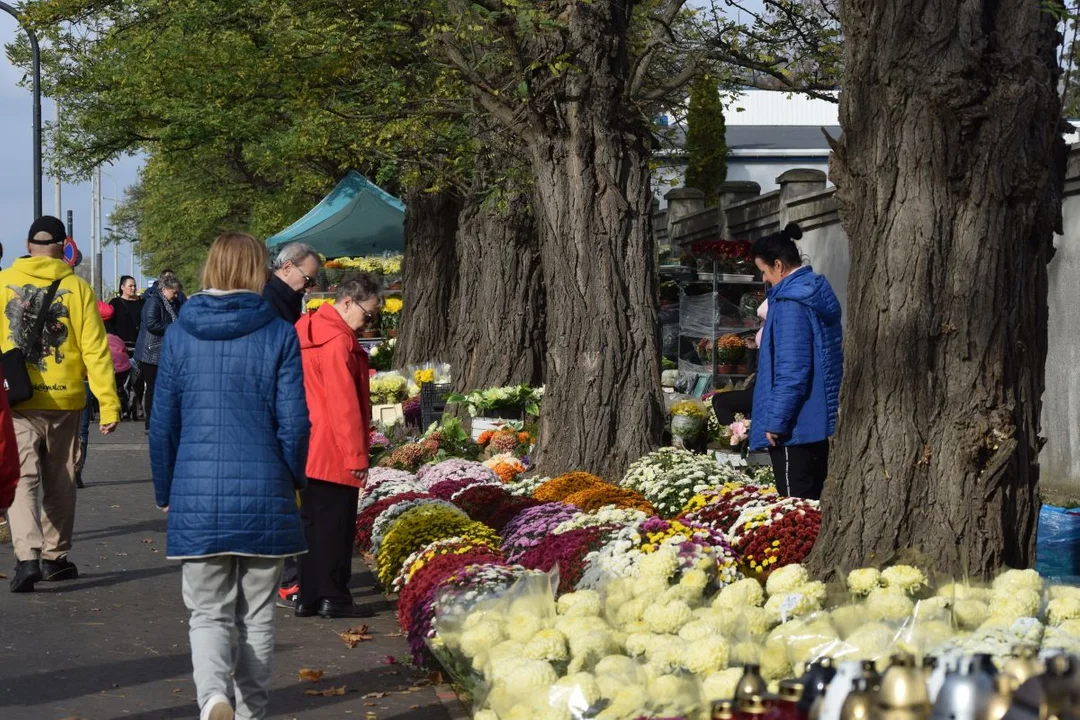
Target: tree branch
(661, 35)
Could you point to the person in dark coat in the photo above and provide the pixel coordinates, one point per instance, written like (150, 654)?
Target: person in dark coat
(294, 271)
(800, 366)
(228, 364)
(159, 313)
(125, 324)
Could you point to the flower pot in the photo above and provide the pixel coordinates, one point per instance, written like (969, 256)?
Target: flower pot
(742, 369)
(370, 334)
(725, 369)
(686, 426)
(393, 333)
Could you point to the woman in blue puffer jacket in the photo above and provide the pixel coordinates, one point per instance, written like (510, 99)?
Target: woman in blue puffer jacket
(228, 447)
(800, 366)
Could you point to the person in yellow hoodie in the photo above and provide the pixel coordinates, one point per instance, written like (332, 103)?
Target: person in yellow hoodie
(72, 347)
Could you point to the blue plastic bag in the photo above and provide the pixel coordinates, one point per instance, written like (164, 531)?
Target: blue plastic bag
(1057, 550)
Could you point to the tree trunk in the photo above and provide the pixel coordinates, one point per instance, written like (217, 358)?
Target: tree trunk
(949, 174)
(603, 406)
(499, 308)
(428, 277)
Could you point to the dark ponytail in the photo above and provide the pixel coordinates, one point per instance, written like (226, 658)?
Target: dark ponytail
(779, 246)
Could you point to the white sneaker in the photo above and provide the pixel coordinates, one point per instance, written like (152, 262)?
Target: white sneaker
(218, 708)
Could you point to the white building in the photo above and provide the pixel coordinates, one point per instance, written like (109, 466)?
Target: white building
(768, 132)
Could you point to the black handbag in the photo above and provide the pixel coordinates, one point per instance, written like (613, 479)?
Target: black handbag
(16, 375)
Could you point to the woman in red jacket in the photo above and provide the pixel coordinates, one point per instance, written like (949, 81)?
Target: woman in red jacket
(336, 385)
(9, 454)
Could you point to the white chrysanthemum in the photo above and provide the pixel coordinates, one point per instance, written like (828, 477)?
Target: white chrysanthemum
(905, 577)
(522, 626)
(721, 685)
(926, 638)
(889, 604)
(863, 580)
(688, 594)
(811, 641)
(486, 715)
(594, 644)
(547, 645)
(816, 591)
(707, 655)
(970, 614)
(571, 625)
(754, 622)
(739, 595)
(650, 587)
(934, 608)
(629, 701)
(963, 591)
(782, 608)
(1056, 592)
(1015, 604)
(660, 565)
(668, 617)
(699, 630)
(1011, 580)
(696, 579)
(744, 653)
(672, 690)
(786, 579)
(523, 674)
(774, 661)
(667, 656)
(473, 619)
(617, 665)
(634, 628)
(481, 638)
(1072, 627)
(639, 644)
(1062, 609)
(632, 611)
(871, 641)
(582, 602)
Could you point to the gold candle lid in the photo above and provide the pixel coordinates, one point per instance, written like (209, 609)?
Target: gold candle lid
(723, 710)
(791, 690)
(753, 705)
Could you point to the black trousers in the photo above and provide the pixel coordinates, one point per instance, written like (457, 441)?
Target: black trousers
(149, 373)
(727, 405)
(329, 514)
(801, 469)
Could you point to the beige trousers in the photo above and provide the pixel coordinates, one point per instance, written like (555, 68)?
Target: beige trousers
(42, 517)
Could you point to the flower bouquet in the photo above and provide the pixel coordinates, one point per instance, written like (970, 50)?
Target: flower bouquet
(736, 436)
(501, 402)
(688, 419)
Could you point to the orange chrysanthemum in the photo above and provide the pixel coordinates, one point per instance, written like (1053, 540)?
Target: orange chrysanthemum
(559, 488)
(485, 438)
(595, 498)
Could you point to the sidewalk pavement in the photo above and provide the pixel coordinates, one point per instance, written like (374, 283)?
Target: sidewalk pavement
(113, 644)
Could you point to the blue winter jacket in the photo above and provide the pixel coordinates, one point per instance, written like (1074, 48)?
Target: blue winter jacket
(229, 429)
(800, 364)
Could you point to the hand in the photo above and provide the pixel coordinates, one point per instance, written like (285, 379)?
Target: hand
(165, 509)
(360, 475)
(773, 438)
(108, 428)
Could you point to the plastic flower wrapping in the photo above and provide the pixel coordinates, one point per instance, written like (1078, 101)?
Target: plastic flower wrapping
(669, 477)
(420, 526)
(532, 525)
(454, 469)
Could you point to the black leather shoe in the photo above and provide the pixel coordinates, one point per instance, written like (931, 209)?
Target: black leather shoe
(57, 570)
(27, 573)
(305, 610)
(330, 609)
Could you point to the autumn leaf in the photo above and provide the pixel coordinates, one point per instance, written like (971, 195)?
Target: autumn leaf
(328, 692)
(309, 675)
(355, 636)
(372, 695)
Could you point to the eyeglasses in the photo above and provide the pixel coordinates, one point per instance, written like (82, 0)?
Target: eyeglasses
(308, 281)
(368, 314)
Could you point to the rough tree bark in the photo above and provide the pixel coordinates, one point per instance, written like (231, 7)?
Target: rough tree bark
(498, 313)
(949, 175)
(428, 276)
(603, 407)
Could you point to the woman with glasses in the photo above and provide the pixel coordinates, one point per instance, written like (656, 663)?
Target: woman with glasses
(336, 387)
(295, 268)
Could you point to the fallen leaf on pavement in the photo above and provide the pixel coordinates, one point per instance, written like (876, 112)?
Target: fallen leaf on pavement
(328, 692)
(355, 636)
(436, 678)
(309, 675)
(3, 576)
(389, 660)
(375, 695)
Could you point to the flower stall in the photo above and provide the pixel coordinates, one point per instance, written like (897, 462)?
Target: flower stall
(573, 597)
(494, 408)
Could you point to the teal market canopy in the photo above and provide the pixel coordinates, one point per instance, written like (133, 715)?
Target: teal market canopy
(357, 218)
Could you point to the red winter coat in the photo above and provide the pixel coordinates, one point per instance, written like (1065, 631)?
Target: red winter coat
(9, 452)
(336, 384)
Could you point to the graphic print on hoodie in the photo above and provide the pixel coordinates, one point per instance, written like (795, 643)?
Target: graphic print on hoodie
(22, 313)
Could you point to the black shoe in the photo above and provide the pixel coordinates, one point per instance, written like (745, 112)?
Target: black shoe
(57, 570)
(304, 610)
(27, 572)
(330, 609)
(78, 480)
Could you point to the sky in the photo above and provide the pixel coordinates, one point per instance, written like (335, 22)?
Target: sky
(16, 173)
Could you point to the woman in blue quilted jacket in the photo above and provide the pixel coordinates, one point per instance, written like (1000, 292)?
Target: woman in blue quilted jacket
(228, 446)
(800, 365)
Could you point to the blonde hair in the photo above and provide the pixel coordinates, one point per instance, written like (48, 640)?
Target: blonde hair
(237, 261)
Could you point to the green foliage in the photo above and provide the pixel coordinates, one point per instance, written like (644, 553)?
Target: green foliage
(706, 143)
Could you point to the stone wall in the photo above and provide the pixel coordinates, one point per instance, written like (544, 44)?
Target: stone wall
(745, 214)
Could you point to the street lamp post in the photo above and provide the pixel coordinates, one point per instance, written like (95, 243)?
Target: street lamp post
(35, 54)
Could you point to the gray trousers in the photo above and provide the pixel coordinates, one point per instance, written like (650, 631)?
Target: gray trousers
(232, 597)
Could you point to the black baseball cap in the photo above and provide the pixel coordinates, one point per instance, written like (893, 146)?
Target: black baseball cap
(48, 225)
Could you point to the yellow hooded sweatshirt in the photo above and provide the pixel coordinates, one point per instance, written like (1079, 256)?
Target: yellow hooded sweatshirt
(73, 344)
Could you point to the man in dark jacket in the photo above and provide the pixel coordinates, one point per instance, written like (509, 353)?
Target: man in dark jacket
(294, 271)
